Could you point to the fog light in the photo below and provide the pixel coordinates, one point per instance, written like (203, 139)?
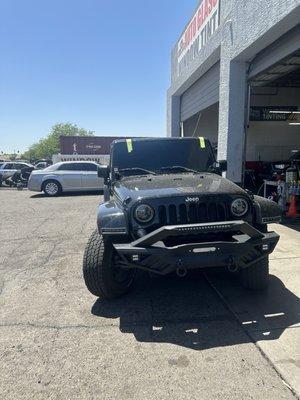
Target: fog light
(141, 232)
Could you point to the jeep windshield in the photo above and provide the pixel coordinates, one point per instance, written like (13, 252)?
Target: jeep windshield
(161, 156)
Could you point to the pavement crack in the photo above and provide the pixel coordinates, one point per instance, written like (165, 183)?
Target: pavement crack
(248, 333)
(55, 327)
(43, 237)
(1, 286)
(134, 324)
(41, 264)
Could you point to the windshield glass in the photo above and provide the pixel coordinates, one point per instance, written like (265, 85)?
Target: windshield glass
(52, 167)
(162, 156)
(1, 165)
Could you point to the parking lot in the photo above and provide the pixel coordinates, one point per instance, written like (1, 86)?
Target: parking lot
(201, 337)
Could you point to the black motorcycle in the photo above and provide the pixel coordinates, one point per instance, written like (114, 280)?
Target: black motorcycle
(20, 178)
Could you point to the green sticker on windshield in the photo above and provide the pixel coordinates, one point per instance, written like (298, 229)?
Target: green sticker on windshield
(202, 142)
(129, 145)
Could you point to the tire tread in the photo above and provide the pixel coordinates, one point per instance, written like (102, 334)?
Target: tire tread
(256, 276)
(93, 257)
(97, 261)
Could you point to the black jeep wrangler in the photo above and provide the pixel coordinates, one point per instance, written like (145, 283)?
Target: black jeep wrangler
(167, 208)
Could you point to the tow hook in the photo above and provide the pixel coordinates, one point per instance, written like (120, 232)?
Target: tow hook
(181, 271)
(232, 265)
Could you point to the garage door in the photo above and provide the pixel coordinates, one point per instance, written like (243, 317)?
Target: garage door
(279, 50)
(202, 94)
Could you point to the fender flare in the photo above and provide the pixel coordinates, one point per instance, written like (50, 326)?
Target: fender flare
(266, 211)
(111, 219)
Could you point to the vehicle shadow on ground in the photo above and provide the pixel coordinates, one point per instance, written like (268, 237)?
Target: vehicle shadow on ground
(188, 312)
(68, 194)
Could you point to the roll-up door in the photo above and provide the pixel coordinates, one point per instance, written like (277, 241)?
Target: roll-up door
(202, 94)
(279, 50)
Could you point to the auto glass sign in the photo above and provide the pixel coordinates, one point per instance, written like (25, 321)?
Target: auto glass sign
(202, 26)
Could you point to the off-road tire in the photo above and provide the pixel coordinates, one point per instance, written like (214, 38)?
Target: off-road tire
(98, 269)
(54, 182)
(256, 277)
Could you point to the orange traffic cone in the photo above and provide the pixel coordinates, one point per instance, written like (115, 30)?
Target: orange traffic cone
(293, 207)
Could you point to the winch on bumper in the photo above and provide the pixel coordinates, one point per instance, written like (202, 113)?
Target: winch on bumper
(248, 246)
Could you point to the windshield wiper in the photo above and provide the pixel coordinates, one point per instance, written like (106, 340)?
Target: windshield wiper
(137, 169)
(178, 167)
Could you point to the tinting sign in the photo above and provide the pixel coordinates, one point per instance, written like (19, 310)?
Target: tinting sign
(272, 113)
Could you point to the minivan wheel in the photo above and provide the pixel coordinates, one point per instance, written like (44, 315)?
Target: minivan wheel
(101, 271)
(52, 188)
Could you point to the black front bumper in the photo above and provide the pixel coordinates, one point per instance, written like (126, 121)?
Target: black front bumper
(248, 245)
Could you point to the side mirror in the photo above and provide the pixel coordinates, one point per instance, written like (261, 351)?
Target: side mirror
(103, 171)
(220, 165)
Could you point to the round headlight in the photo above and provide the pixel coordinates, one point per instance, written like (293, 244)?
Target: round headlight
(144, 213)
(239, 207)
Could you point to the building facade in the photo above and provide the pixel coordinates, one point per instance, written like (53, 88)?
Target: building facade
(88, 148)
(236, 65)
(86, 145)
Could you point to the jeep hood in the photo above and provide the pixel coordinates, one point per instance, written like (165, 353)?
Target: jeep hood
(171, 185)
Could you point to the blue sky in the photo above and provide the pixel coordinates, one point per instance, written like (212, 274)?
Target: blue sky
(104, 65)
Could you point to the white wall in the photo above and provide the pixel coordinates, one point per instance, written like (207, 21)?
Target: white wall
(271, 141)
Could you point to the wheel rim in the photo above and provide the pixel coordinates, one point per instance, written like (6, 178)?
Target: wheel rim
(51, 188)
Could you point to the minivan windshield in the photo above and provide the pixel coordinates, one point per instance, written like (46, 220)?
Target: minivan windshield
(160, 156)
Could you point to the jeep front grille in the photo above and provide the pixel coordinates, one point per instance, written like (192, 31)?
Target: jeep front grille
(192, 213)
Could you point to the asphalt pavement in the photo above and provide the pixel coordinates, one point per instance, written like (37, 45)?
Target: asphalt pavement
(200, 337)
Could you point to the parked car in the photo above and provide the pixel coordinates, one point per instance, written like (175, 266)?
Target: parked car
(66, 177)
(9, 168)
(41, 165)
(168, 209)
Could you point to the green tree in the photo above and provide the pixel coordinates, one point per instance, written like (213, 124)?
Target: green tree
(49, 145)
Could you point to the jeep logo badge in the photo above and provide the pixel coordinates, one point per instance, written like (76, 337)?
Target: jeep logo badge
(192, 199)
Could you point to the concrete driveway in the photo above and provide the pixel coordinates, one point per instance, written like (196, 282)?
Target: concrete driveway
(202, 337)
